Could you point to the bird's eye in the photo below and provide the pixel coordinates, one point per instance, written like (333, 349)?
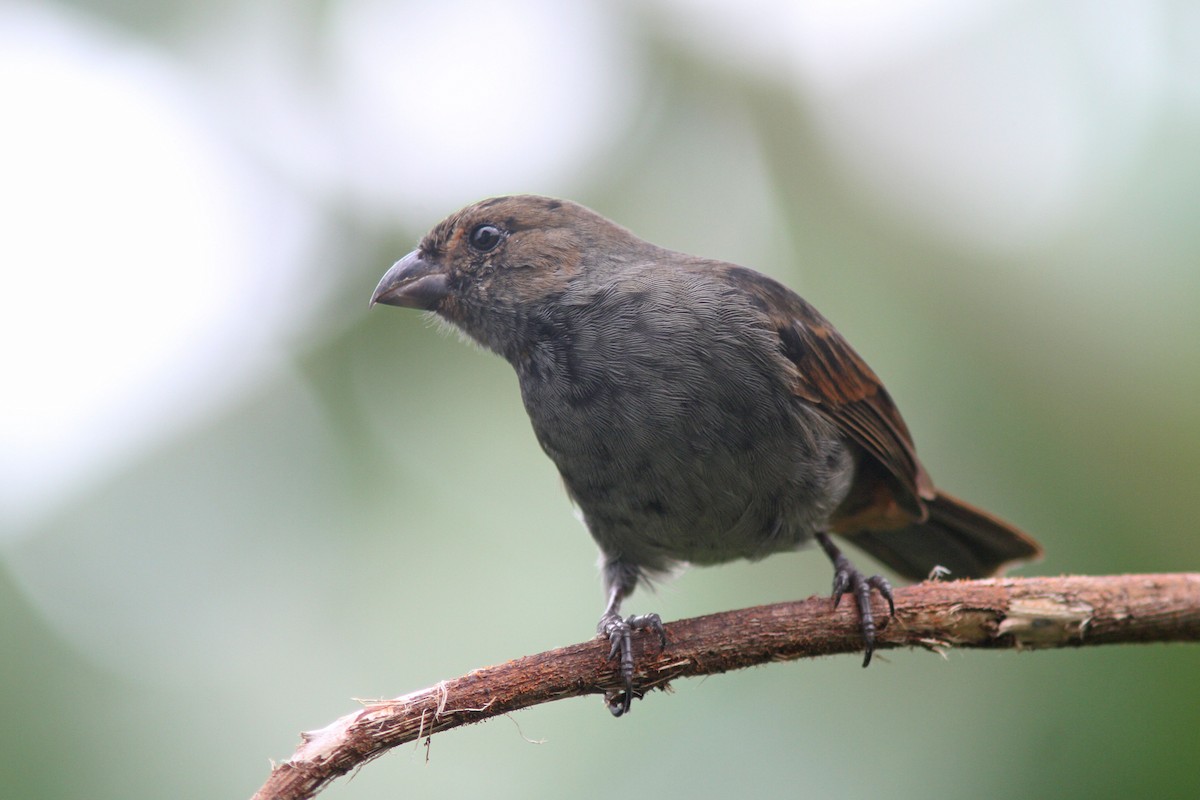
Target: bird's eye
(485, 237)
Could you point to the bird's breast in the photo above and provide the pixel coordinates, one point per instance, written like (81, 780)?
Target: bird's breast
(678, 447)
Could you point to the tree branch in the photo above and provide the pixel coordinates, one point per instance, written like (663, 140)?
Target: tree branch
(1023, 613)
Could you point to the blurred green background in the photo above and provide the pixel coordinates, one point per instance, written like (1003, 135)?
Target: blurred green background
(233, 499)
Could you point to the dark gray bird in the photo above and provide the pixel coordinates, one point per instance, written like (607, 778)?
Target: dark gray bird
(698, 411)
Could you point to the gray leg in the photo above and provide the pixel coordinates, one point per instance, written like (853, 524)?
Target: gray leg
(847, 577)
(620, 580)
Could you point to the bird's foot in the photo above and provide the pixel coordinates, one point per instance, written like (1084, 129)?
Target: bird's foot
(619, 633)
(848, 578)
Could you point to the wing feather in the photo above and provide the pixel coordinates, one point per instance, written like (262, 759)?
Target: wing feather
(825, 371)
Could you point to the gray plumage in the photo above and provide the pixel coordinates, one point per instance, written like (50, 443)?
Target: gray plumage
(698, 411)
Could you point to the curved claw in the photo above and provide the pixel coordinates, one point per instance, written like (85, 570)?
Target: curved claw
(848, 578)
(619, 633)
(862, 586)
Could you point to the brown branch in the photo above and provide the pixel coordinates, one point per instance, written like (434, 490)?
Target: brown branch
(1005, 612)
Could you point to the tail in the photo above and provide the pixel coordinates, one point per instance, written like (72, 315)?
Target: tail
(965, 540)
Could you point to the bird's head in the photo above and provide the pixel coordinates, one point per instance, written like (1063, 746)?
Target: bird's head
(491, 267)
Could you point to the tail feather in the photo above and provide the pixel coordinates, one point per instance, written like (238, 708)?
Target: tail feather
(967, 541)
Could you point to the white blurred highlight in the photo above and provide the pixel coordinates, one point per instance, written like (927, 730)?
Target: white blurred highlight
(138, 250)
(963, 119)
(446, 103)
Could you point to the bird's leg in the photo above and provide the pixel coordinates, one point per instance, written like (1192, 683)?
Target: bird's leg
(847, 577)
(619, 633)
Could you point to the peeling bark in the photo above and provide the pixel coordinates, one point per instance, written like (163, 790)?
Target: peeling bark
(1025, 613)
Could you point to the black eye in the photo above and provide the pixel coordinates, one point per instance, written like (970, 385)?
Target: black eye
(485, 237)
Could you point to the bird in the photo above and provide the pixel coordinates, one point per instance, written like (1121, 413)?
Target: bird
(698, 411)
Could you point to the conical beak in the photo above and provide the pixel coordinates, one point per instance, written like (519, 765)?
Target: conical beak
(412, 282)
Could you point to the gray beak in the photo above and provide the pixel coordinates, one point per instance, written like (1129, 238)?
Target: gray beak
(412, 282)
